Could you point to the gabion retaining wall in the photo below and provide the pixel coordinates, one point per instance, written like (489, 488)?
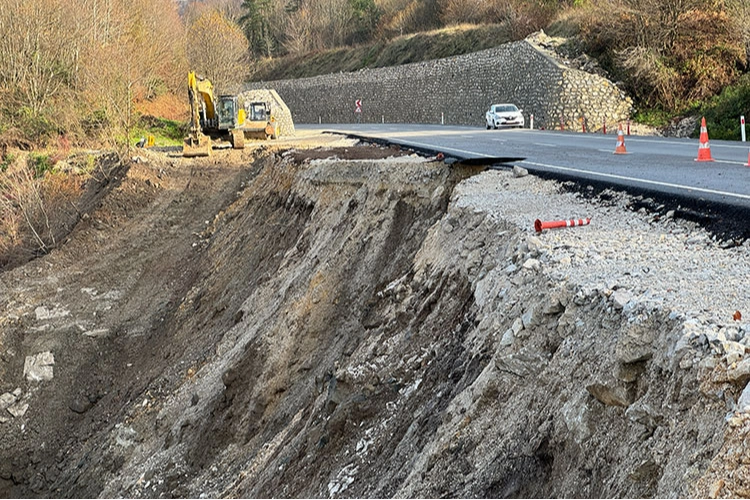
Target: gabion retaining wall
(459, 90)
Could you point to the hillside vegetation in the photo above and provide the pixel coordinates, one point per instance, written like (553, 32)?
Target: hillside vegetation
(417, 47)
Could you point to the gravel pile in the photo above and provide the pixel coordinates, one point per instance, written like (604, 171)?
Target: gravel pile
(637, 259)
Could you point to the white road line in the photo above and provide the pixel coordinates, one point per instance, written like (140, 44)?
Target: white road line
(729, 162)
(444, 149)
(634, 179)
(545, 144)
(644, 139)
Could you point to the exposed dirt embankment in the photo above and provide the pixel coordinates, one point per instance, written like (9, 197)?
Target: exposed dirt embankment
(291, 327)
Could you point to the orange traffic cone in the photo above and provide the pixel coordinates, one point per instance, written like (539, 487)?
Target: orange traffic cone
(748, 159)
(620, 149)
(704, 150)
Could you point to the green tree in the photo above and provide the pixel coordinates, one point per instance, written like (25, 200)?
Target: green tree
(257, 24)
(366, 18)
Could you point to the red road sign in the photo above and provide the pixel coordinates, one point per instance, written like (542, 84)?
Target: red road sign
(358, 104)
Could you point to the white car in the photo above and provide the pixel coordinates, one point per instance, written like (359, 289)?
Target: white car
(504, 115)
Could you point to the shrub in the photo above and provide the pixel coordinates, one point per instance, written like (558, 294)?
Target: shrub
(723, 111)
(667, 52)
(35, 209)
(40, 164)
(8, 159)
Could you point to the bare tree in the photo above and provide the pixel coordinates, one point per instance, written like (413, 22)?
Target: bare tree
(217, 48)
(39, 53)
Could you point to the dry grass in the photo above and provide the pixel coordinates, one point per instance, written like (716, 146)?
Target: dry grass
(35, 210)
(446, 42)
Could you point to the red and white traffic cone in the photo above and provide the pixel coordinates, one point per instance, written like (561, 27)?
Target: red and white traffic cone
(748, 159)
(704, 150)
(620, 148)
(539, 225)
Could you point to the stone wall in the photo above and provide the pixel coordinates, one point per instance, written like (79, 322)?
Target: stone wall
(459, 90)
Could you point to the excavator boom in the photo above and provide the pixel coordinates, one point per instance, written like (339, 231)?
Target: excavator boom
(197, 143)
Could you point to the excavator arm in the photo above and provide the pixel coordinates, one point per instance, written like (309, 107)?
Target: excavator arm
(200, 96)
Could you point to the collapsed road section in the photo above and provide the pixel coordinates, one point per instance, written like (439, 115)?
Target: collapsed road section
(355, 322)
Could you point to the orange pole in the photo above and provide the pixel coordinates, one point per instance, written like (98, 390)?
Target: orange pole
(539, 225)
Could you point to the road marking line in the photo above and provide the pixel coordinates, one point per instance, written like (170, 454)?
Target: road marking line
(644, 139)
(729, 162)
(545, 144)
(634, 179)
(433, 146)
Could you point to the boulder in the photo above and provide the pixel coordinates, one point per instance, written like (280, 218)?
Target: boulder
(610, 395)
(39, 367)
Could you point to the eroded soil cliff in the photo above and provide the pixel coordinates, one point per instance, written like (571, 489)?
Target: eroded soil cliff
(329, 323)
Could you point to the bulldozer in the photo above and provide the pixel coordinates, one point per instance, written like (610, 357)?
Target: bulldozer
(224, 118)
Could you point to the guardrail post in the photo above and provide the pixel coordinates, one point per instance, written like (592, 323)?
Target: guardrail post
(742, 122)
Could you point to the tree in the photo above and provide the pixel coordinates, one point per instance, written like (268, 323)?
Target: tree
(739, 12)
(399, 17)
(63, 61)
(257, 24)
(134, 53)
(39, 55)
(366, 18)
(217, 49)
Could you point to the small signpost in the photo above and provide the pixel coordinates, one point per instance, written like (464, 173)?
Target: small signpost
(358, 109)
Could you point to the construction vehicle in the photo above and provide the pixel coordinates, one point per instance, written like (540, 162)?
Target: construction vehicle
(224, 118)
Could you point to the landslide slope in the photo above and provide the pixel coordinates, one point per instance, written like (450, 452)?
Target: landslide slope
(299, 324)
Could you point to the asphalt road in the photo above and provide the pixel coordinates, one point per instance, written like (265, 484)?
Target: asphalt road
(653, 164)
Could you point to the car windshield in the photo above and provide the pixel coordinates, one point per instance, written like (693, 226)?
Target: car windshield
(505, 108)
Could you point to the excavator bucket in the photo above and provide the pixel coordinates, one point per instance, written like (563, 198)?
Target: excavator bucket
(196, 145)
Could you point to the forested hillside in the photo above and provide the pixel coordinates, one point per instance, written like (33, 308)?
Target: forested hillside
(89, 70)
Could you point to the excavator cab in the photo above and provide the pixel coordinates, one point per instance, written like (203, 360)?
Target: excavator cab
(228, 116)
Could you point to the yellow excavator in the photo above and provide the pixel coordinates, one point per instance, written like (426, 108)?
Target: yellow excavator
(224, 118)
